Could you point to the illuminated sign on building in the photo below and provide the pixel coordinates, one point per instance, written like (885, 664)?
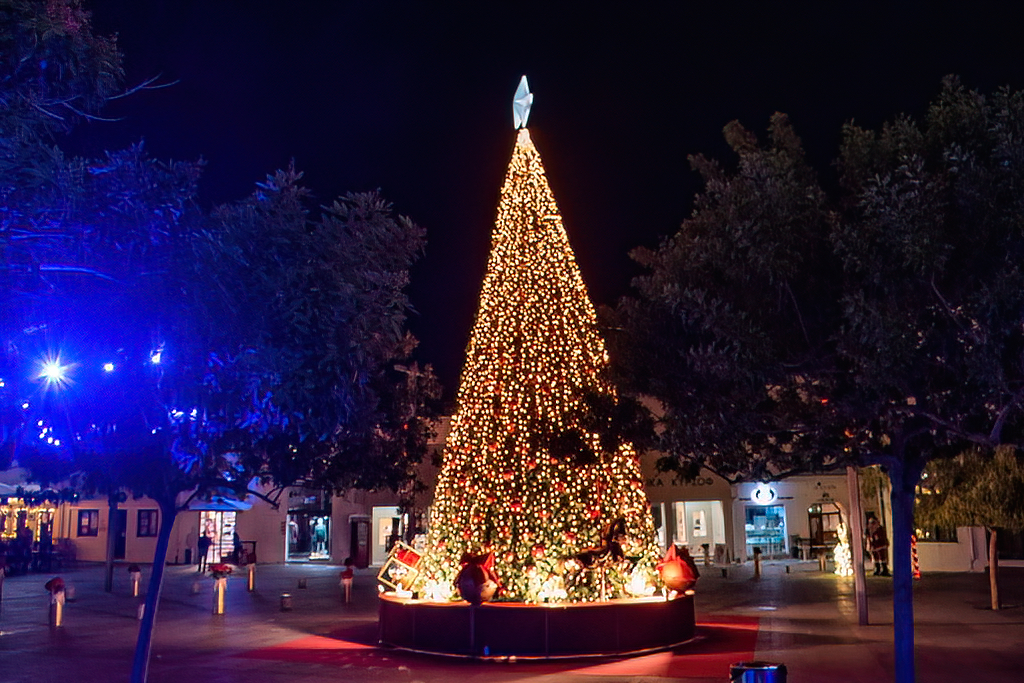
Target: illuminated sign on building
(763, 494)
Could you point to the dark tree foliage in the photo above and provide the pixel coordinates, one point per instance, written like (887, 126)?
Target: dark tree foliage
(235, 353)
(731, 328)
(250, 351)
(308, 320)
(91, 290)
(785, 330)
(54, 73)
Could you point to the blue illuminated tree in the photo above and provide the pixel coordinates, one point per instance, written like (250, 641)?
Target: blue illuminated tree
(255, 349)
(150, 348)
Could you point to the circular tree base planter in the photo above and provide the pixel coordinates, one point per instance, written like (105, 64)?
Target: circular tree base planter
(504, 629)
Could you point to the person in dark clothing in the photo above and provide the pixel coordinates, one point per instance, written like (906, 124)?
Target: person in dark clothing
(236, 544)
(203, 544)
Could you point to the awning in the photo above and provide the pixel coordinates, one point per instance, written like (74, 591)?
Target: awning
(219, 504)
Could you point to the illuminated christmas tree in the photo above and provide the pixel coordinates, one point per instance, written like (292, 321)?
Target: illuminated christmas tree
(533, 354)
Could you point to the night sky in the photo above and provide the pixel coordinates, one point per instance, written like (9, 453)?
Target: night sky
(414, 98)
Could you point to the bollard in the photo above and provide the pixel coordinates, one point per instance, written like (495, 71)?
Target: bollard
(141, 612)
(286, 602)
(302, 583)
(219, 588)
(56, 607)
(757, 672)
(822, 562)
(135, 575)
(787, 568)
(757, 562)
(252, 578)
(725, 573)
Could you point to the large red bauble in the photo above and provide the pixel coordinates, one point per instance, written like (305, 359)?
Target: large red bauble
(676, 572)
(477, 581)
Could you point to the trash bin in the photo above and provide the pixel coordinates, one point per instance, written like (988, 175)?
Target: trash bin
(757, 672)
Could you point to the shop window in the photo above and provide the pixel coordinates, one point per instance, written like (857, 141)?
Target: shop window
(88, 522)
(147, 523)
(388, 529)
(823, 520)
(766, 529)
(700, 528)
(699, 525)
(937, 534)
(1010, 545)
(219, 527)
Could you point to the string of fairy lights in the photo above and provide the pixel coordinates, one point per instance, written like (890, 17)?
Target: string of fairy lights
(533, 352)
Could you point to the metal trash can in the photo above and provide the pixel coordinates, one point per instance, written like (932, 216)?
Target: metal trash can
(286, 602)
(757, 672)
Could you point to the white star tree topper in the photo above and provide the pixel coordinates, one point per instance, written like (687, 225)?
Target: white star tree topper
(521, 104)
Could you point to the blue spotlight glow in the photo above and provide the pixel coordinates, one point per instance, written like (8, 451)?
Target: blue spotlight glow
(54, 372)
(155, 356)
(108, 367)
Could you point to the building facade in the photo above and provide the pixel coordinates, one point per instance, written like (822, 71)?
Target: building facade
(717, 521)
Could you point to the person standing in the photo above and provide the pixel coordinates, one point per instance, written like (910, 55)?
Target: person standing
(236, 547)
(203, 546)
(878, 546)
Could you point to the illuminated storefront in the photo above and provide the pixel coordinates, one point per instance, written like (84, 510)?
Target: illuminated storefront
(693, 514)
(27, 532)
(308, 536)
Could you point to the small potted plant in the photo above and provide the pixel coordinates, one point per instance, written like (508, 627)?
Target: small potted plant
(220, 571)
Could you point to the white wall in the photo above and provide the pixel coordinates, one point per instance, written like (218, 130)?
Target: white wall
(968, 554)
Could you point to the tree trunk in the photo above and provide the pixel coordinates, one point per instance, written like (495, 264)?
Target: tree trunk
(993, 568)
(140, 663)
(904, 479)
(112, 532)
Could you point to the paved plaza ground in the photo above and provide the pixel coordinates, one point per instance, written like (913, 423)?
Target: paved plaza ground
(793, 614)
